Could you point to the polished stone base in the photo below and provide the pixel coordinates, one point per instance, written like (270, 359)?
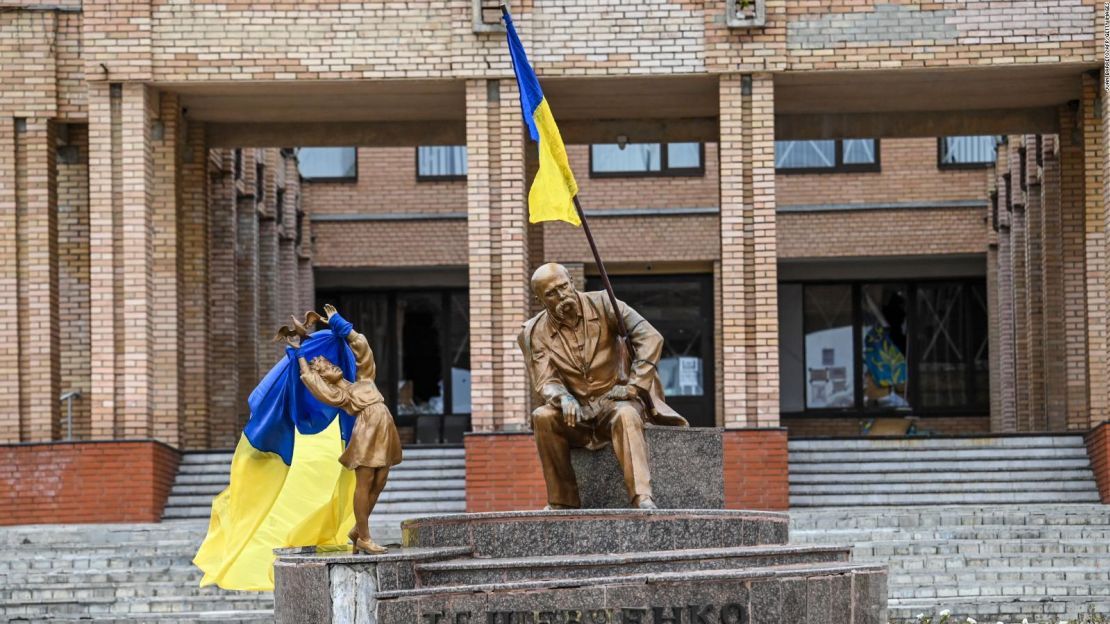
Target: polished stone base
(686, 463)
(582, 567)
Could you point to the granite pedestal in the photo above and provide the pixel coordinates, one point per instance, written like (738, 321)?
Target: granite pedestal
(686, 463)
(585, 567)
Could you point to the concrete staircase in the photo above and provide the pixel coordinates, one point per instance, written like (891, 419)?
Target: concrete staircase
(114, 573)
(429, 481)
(991, 562)
(1026, 470)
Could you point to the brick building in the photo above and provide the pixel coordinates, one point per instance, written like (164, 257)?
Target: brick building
(807, 200)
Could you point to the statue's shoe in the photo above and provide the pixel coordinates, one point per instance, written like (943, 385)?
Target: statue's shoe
(644, 502)
(369, 547)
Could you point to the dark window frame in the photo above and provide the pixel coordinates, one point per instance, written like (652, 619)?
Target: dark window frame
(912, 360)
(943, 166)
(665, 170)
(435, 178)
(351, 178)
(840, 167)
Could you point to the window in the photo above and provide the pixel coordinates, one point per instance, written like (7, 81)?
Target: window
(827, 155)
(328, 163)
(866, 347)
(960, 152)
(680, 307)
(421, 343)
(441, 162)
(646, 159)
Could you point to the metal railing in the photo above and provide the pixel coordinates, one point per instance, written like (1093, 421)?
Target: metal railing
(68, 397)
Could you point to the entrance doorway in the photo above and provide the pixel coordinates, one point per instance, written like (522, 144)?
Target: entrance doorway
(681, 308)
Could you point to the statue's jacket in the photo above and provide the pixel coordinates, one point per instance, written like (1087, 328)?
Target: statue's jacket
(547, 361)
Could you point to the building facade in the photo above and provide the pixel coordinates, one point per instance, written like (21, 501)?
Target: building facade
(792, 194)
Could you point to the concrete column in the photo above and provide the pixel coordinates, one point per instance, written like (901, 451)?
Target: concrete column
(223, 302)
(195, 310)
(749, 315)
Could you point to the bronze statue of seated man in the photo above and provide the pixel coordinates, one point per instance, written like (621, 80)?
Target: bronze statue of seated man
(597, 389)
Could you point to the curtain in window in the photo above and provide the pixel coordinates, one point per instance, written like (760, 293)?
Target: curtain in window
(327, 162)
(440, 161)
(635, 157)
(859, 151)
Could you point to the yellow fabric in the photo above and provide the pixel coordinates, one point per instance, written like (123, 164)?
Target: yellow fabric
(552, 195)
(270, 505)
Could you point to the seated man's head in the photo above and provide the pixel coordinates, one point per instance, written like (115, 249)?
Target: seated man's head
(328, 371)
(555, 289)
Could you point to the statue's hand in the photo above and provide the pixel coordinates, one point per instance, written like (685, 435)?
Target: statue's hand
(329, 310)
(293, 340)
(572, 411)
(621, 392)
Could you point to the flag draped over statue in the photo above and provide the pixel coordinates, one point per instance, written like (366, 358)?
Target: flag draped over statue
(552, 195)
(287, 487)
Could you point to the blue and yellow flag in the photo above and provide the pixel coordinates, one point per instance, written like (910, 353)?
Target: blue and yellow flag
(287, 486)
(552, 195)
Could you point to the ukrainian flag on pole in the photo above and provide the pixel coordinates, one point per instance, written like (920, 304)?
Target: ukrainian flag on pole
(553, 190)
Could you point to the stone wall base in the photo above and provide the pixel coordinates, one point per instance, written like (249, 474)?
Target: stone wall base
(85, 482)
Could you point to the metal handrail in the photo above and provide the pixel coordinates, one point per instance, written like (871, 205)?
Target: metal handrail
(68, 397)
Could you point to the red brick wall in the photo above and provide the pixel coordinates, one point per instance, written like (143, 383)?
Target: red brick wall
(1098, 448)
(503, 473)
(79, 482)
(756, 469)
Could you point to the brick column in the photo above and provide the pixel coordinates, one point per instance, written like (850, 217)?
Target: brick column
(1019, 288)
(1053, 263)
(121, 254)
(246, 313)
(73, 272)
(497, 254)
(1090, 134)
(1034, 280)
(1073, 223)
(223, 297)
(194, 293)
(37, 261)
(1007, 409)
(749, 316)
(268, 282)
(165, 306)
(9, 286)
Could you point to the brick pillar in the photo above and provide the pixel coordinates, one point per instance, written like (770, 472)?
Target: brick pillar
(1007, 417)
(194, 293)
(1020, 290)
(1034, 280)
(994, 334)
(73, 272)
(223, 297)
(749, 317)
(1052, 234)
(167, 323)
(1073, 223)
(514, 292)
(121, 247)
(269, 314)
(1090, 135)
(9, 286)
(37, 261)
(246, 263)
(497, 254)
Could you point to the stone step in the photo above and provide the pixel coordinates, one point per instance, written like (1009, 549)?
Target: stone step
(996, 465)
(957, 455)
(472, 571)
(429, 501)
(136, 592)
(1011, 609)
(821, 489)
(131, 607)
(947, 516)
(974, 476)
(967, 497)
(240, 616)
(911, 443)
(535, 533)
(415, 464)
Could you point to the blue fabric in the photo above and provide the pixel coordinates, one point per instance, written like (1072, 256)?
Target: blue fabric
(530, 93)
(281, 404)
